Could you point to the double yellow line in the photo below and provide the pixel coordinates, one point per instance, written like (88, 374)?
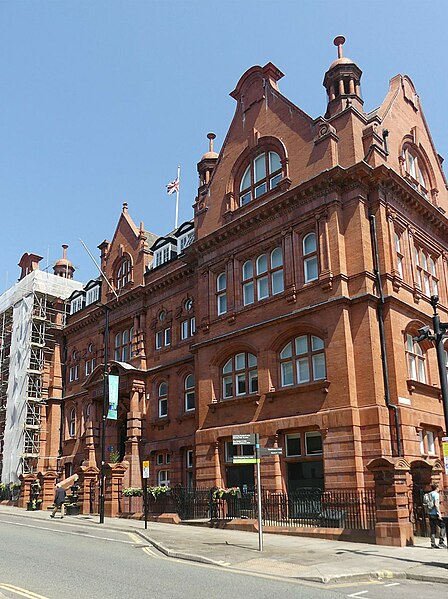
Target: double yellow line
(19, 591)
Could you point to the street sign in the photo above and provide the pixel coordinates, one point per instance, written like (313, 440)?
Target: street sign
(265, 451)
(248, 439)
(145, 468)
(445, 452)
(242, 459)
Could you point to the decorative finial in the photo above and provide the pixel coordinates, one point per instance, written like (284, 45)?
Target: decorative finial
(125, 206)
(64, 250)
(339, 41)
(211, 137)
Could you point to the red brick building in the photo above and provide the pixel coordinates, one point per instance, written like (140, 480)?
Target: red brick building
(264, 313)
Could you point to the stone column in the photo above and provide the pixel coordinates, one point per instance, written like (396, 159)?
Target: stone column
(393, 526)
(87, 475)
(114, 485)
(218, 478)
(26, 480)
(134, 432)
(47, 481)
(278, 485)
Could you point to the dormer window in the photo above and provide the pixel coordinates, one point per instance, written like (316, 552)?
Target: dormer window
(92, 294)
(77, 303)
(123, 273)
(164, 253)
(184, 241)
(184, 236)
(263, 174)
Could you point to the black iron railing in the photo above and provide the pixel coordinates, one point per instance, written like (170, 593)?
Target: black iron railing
(350, 509)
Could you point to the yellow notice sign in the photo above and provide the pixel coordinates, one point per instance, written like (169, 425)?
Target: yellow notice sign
(445, 452)
(145, 464)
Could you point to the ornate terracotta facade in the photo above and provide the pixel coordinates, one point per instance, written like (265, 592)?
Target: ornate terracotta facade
(268, 321)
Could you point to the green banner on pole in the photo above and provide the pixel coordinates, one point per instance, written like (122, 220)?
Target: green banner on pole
(114, 381)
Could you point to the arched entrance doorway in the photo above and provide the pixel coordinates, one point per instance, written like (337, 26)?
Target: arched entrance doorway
(423, 472)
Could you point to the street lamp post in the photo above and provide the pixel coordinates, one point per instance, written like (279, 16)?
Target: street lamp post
(440, 330)
(104, 412)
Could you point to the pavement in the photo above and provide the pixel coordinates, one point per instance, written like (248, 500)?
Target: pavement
(308, 559)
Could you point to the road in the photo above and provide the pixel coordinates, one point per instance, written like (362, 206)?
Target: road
(66, 560)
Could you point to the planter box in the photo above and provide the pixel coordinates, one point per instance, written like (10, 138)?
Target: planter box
(73, 509)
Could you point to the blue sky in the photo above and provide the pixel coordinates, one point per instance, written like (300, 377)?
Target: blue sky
(101, 100)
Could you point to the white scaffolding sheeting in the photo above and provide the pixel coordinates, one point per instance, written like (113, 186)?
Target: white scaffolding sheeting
(28, 300)
(17, 389)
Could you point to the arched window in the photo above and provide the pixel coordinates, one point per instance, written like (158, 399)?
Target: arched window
(265, 279)
(72, 422)
(123, 273)
(123, 345)
(302, 360)
(262, 174)
(189, 393)
(310, 265)
(415, 170)
(240, 375)
(221, 293)
(163, 400)
(415, 359)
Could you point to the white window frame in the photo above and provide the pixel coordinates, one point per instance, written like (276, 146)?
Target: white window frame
(163, 478)
(163, 255)
(159, 339)
(162, 400)
(167, 337)
(76, 304)
(310, 258)
(221, 293)
(189, 394)
(92, 295)
(431, 443)
(72, 422)
(310, 434)
(185, 240)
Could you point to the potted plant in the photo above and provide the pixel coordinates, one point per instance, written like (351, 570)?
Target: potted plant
(34, 502)
(132, 492)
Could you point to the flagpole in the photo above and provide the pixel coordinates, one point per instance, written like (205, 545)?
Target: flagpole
(177, 197)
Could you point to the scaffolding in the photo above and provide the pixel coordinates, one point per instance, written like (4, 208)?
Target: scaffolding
(27, 315)
(6, 325)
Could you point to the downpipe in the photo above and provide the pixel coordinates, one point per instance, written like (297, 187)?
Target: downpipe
(380, 312)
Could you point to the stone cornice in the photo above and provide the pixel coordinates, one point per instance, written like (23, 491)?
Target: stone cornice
(336, 179)
(411, 198)
(181, 271)
(340, 299)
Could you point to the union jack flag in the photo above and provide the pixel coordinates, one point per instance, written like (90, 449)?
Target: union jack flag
(173, 187)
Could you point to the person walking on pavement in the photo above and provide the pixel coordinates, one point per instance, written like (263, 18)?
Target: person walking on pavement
(435, 517)
(59, 498)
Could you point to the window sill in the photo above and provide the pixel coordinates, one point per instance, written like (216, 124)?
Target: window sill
(160, 423)
(190, 415)
(234, 401)
(294, 389)
(234, 211)
(423, 388)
